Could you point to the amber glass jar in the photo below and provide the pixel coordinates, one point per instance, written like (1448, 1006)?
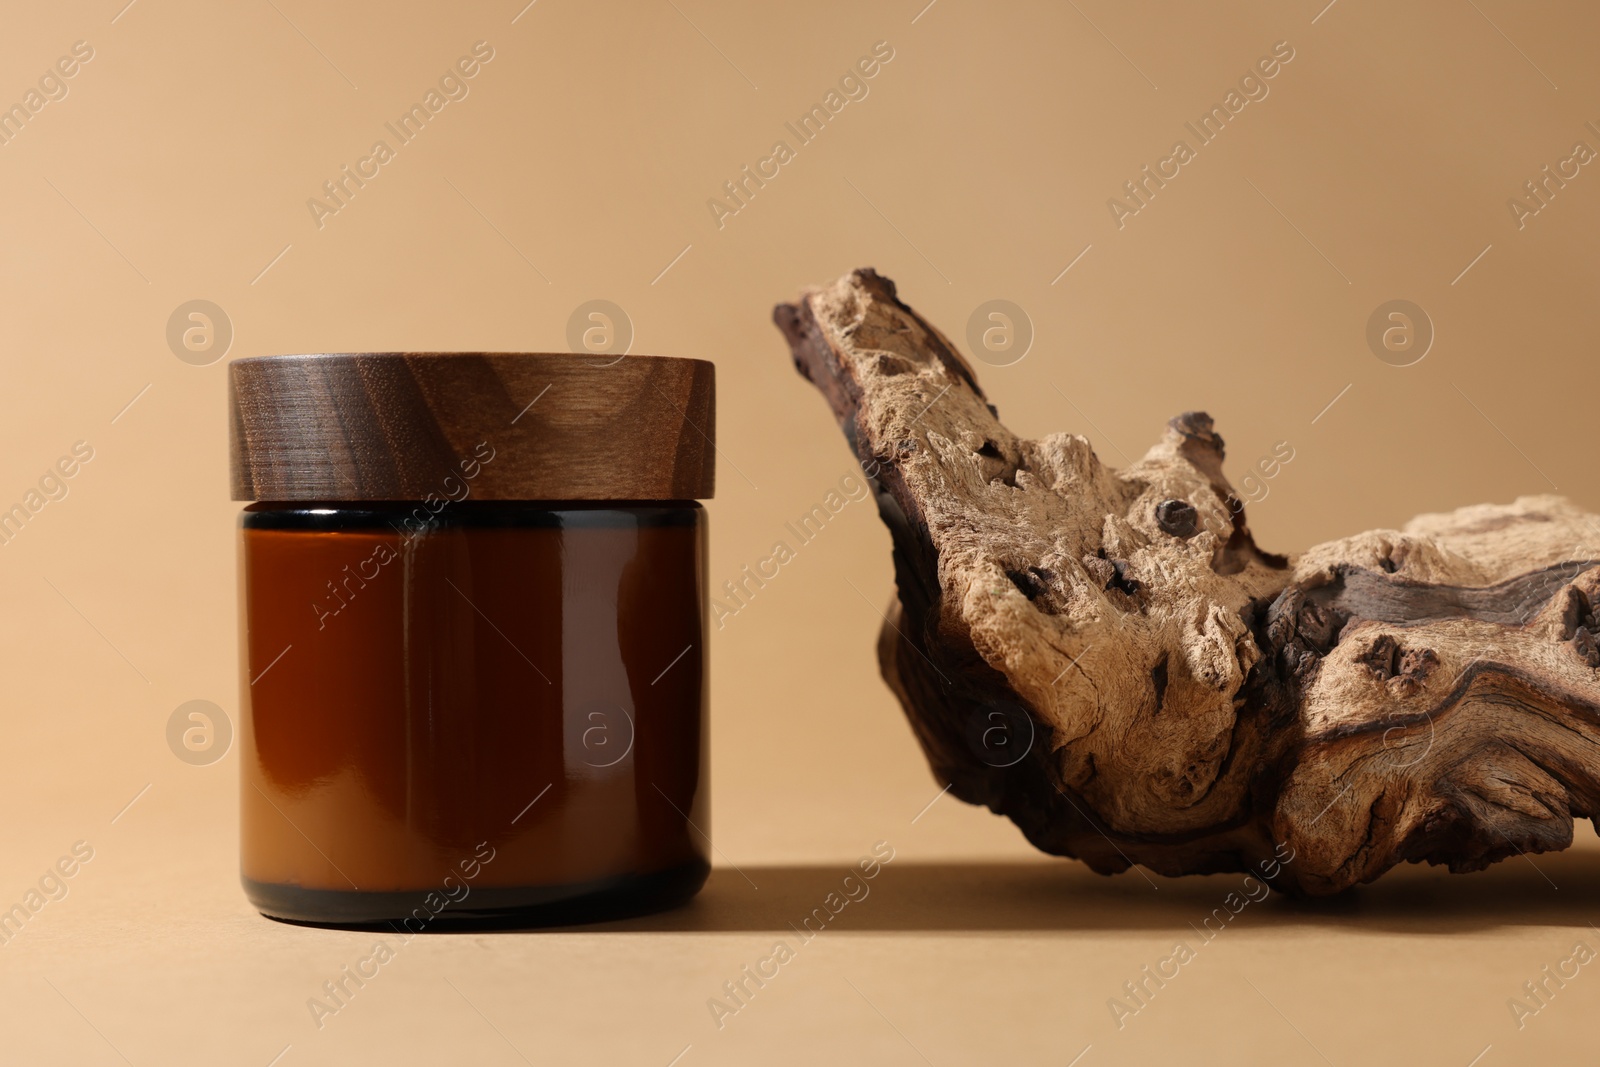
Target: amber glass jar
(473, 636)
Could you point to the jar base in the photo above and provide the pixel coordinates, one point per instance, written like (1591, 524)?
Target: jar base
(486, 907)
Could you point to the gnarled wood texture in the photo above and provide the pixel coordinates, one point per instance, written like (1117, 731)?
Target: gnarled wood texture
(1107, 658)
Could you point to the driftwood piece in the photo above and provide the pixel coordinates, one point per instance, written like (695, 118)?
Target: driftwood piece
(1106, 657)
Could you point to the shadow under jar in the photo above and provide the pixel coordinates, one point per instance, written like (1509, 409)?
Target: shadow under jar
(473, 636)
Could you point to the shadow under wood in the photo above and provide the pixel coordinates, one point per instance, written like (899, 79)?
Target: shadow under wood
(1561, 889)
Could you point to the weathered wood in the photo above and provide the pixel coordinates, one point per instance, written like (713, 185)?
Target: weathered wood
(1107, 658)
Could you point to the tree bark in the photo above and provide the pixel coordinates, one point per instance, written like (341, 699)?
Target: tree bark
(1105, 656)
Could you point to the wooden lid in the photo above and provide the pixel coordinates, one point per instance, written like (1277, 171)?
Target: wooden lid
(395, 425)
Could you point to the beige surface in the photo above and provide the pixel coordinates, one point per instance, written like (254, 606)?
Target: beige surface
(178, 166)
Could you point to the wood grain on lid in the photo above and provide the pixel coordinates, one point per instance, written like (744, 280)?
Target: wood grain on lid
(395, 425)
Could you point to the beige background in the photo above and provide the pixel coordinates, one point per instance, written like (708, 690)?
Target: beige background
(178, 167)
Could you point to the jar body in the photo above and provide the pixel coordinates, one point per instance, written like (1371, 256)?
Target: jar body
(488, 712)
